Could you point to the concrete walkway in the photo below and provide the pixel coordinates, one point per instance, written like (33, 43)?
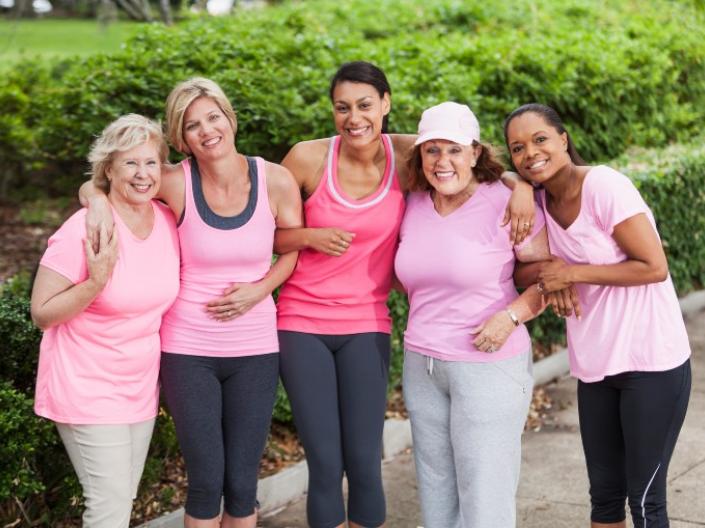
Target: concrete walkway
(553, 489)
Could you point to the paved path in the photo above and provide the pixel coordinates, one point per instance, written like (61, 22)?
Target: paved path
(553, 488)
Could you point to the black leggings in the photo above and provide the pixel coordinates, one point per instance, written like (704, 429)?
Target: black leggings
(222, 408)
(337, 386)
(629, 424)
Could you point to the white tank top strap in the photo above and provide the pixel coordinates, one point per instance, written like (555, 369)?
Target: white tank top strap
(379, 194)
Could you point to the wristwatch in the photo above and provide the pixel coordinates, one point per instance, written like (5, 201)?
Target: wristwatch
(513, 316)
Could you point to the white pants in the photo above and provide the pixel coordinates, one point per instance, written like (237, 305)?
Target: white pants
(108, 460)
(466, 422)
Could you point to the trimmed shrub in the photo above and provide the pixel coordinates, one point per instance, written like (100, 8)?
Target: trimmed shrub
(620, 74)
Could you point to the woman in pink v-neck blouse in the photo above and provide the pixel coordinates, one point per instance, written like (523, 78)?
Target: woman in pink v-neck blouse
(629, 349)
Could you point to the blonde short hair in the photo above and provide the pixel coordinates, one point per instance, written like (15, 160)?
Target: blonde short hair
(125, 133)
(179, 100)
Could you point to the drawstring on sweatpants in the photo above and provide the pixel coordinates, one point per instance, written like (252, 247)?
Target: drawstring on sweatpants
(429, 365)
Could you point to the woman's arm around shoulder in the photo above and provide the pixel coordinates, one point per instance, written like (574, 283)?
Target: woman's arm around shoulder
(99, 214)
(403, 145)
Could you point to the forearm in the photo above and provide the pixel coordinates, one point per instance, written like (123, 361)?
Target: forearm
(66, 305)
(526, 273)
(279, 272)
(528, 305)
(291, 239)
(628, 273)
(511, 179)
(88, 191)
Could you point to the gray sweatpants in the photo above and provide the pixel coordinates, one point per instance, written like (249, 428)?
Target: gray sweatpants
(467, 420)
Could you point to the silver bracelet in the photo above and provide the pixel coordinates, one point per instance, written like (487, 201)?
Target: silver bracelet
(513, 316)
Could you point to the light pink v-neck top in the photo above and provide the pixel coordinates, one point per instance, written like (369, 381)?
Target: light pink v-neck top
(458, 271)
(623, 328)
(346, 294)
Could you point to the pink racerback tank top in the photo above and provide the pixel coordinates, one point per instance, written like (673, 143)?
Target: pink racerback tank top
(216, 252)
(346, 294)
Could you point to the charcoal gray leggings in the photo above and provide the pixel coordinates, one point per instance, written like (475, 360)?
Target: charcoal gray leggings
(222, 408)
(629, 424)
(337, 386)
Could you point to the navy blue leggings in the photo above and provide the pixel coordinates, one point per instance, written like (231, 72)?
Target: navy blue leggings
(222, 408)
(629, 424)
(337, 386)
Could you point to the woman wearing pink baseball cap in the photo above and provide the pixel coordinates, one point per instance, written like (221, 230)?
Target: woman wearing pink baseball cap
(467, 364)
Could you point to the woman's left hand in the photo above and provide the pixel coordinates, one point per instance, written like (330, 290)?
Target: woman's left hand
(554, 276)
(492, 333)
(521, 212)
(236, 300)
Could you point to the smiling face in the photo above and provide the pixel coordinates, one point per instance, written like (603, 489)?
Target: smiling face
(538, 150)
(135, 174)
(448, 166)
(207, 131)
(358, 111)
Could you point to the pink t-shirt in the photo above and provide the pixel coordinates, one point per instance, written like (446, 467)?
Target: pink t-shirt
(346, 294)
(457, 271)
(623, 328)
(102, 366)
(238, 250)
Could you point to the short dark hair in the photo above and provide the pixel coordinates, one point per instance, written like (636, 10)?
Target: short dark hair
(366, 73)
(552, 118)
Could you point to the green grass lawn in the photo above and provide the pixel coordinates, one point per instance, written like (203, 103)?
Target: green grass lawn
(48, 38)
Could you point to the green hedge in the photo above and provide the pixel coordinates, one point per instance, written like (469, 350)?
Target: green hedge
(622, 74)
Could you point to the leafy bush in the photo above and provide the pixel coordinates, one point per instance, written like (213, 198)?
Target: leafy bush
(672, 181)
(622, 74)
(19, 338)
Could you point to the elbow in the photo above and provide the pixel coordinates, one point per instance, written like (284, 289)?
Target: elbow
(39, 321)
(660, 273)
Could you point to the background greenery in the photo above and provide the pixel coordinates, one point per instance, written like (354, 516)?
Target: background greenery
(623, 75)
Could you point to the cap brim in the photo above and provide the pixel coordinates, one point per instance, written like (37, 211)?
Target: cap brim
(439, 134)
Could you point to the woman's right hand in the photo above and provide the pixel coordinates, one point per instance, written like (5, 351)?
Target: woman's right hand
(329, 240)
(564, 302)
(101, 263)
(98, 216)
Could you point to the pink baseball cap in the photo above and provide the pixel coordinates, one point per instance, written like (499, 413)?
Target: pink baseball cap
(450, 121)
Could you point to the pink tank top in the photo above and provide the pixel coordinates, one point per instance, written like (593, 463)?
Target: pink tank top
(216, 252)
(346, 294)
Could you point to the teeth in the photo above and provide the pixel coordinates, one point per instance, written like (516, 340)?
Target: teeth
(141, 187)
(444, 174)
(357, 131)
(211, 142)
(538, 164)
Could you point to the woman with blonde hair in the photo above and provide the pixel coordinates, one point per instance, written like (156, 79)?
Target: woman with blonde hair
(220, 358)
(101, 309)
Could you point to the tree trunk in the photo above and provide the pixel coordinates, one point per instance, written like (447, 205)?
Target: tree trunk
(136, 9)
(23, 8)
(165, 10)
